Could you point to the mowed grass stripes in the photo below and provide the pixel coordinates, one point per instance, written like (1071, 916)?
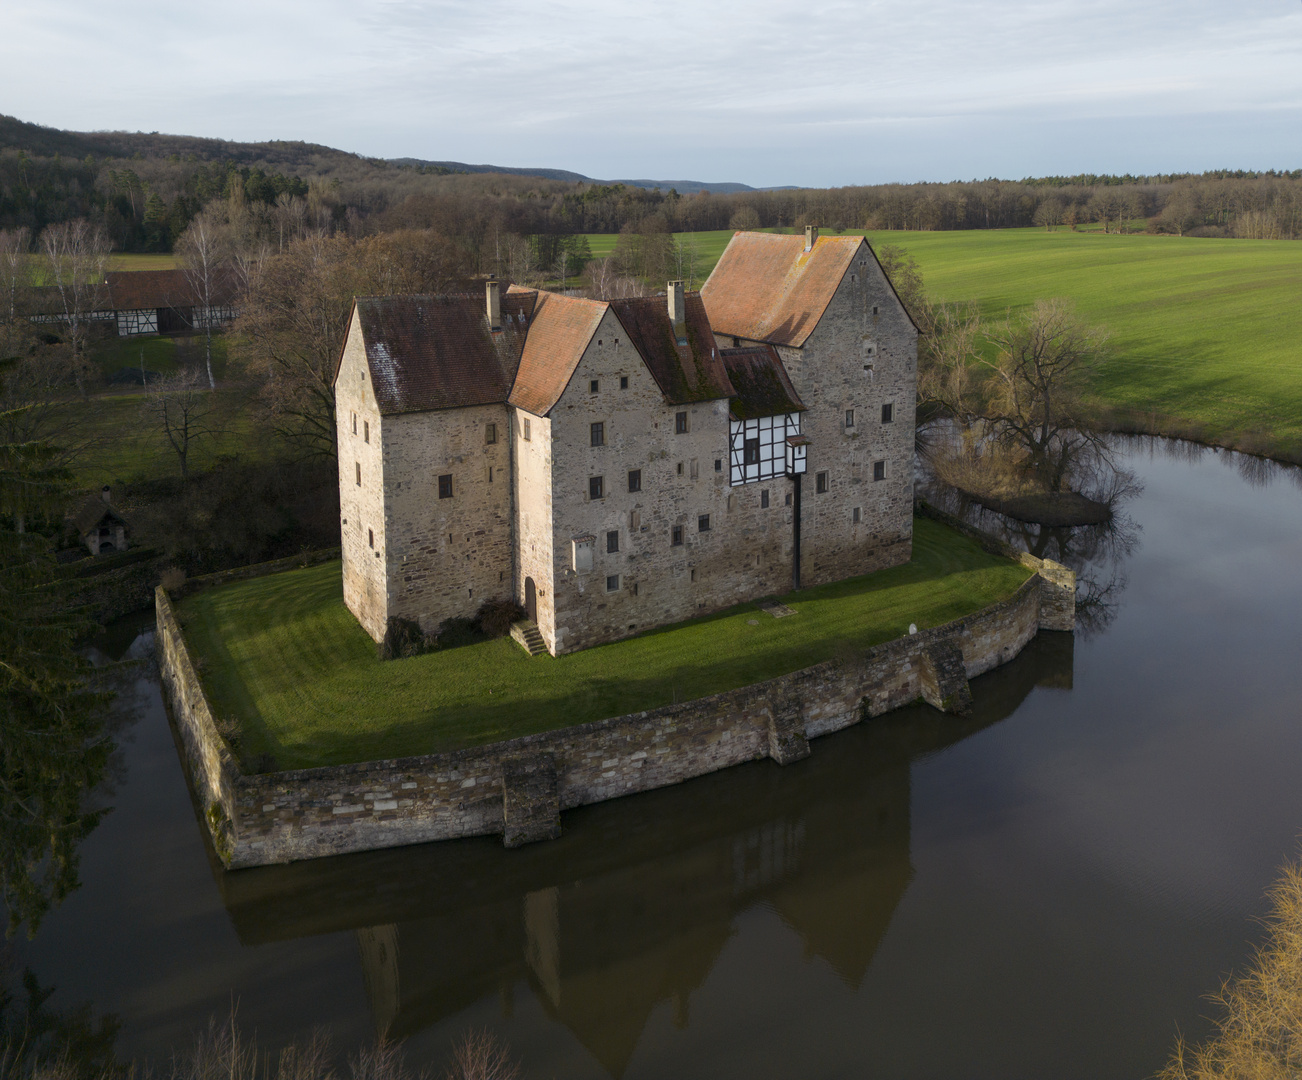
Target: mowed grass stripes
(285, 657)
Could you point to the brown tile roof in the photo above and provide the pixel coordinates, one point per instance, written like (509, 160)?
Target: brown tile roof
(560, 330)
(91, 512)
(436, 352)
(684, 373)
(133, 290)
(761, 383)
(766, 287)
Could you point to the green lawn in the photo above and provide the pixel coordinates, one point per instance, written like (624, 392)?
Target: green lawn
(285, 656)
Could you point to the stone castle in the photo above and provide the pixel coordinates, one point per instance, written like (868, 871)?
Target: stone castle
(619, 465)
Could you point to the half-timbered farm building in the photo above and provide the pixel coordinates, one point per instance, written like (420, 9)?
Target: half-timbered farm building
(623, 464)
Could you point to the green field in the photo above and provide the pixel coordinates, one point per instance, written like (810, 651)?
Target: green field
(284, 656)
(122, 443)
(1208, 332)
(133, 261)
(1206, 335)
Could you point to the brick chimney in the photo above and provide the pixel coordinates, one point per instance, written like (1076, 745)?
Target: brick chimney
(811, 234)
(493, 299)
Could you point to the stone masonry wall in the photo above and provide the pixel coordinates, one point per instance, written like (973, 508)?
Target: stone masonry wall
(359, 432)
(533, 515)
(864, 327)
(519, 787)
(446, 556)
(745, 552)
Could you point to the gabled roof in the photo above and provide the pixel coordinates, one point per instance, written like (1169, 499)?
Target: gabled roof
(559, 331)
(767, 287)
(133, 290)
(436, 352)
(762, 385)
(684, 373)
(92, 512)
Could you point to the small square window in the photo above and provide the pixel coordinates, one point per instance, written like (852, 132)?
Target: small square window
(788, 499)
(370, 537)
(849, 418)
(874, 309)
(612, 583)
(879, 470)
(750, 452)
(856, 515)
(623, 382)
(596, 487)
(764, 499)
(888, 413)
(366, 431)
(612, 542)
(526, 430)
(635, 480)
(680, 423)
(820, 483)
(598, 434)
(490, 434)
(718, 464)
(703, 523)
(358, 466)
(593, 386)
(676, 536)
(445, 487)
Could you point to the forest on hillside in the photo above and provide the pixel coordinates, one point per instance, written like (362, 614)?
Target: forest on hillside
(144, 190)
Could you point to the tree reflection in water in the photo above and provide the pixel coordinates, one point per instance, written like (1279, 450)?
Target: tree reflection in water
(633, 906)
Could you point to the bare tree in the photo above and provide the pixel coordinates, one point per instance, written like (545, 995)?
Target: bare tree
(203, 253)
(687, 260)
(294, 317)
(15, 267)
(183, 412)
(76, 255)
(1033, 395)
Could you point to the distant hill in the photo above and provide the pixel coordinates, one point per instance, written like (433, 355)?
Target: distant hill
(683, 187)
(281, 155)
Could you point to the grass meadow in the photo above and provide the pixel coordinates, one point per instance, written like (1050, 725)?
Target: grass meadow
(283, 656)
(1206, 334)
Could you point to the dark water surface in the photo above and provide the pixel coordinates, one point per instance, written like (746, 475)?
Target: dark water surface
(1049, 888)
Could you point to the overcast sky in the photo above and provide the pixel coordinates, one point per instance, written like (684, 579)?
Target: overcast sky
(808, 92)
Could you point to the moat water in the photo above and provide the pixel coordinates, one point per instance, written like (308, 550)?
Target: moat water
(1049, 888)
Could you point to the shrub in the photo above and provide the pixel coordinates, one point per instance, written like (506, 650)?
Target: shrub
(496, 616)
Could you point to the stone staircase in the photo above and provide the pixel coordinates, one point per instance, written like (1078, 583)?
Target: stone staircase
(526, 634)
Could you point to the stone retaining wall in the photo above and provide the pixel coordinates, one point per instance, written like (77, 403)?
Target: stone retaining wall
(518, 788)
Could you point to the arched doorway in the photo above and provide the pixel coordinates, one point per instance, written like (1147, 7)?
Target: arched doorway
(530, 600)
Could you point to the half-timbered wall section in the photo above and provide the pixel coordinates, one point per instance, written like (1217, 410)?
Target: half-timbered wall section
(139, 321)
(759, 447)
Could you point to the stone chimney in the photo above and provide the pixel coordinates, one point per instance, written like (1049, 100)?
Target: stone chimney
(493, 298)
(811, 234)
(104, 494)
(677, 308)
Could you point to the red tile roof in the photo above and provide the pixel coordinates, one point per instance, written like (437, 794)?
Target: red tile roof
(684, 373)
(436, 352)
(767, 287)
(762, 385)
(560, 330)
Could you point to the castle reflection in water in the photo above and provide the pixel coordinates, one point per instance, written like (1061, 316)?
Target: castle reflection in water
(633, 906)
